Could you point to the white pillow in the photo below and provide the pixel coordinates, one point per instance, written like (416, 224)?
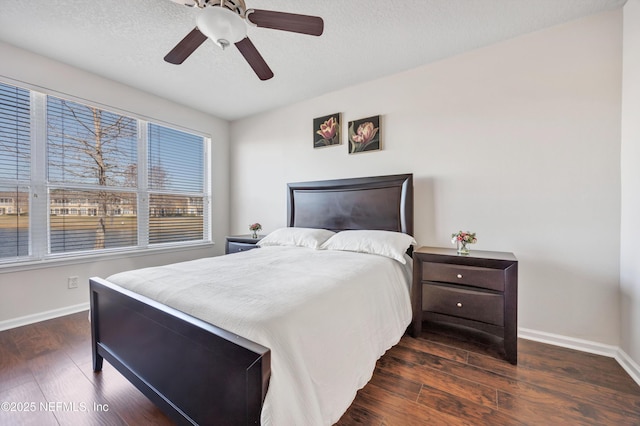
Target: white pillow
(301, 237)
(384, 243)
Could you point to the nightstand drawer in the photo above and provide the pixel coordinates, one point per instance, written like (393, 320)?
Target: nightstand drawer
(478, 290)
(459, 302)
(476, 276)
(233, 247)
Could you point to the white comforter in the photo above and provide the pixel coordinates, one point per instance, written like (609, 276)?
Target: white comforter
(327, 316)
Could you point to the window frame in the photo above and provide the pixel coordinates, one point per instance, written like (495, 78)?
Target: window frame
(40, 189)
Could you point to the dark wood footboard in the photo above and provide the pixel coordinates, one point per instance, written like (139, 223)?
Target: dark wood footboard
(195, 372)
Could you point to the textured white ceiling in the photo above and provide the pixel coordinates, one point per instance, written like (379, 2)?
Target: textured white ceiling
(126, 40)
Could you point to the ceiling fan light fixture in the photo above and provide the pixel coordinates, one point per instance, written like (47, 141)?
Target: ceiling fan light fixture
(221, 25)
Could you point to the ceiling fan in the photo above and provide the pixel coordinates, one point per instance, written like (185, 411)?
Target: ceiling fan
(225, 23)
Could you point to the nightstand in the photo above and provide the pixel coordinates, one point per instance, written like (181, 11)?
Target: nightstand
(478, 290)
(237, 243)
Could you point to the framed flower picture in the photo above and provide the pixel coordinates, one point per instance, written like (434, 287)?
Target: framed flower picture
(326, 130)
(364, 135)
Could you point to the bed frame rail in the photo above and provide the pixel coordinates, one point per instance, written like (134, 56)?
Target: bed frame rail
(195, 372)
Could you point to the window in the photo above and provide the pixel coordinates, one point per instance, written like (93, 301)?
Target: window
(108, 181)
(91, 155)
(15, 145)
(175, 183)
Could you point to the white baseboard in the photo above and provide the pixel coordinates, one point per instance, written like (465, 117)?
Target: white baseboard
(42, 316)
(629, 365)
(568, 342)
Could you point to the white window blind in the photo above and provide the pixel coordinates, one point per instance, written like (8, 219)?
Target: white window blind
(89, 179)
(92, 174)
(176, 183)
(15, 146)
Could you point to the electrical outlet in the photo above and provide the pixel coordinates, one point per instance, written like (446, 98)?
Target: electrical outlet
(72, 282)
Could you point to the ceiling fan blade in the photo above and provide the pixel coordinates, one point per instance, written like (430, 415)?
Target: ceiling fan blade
(254, 58)
(186, 47)
(303, 24)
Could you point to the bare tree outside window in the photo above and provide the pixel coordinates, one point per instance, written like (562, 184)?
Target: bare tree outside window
(90, 148)
(157, 176)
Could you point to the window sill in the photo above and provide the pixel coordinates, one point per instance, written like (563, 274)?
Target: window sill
(63, 260)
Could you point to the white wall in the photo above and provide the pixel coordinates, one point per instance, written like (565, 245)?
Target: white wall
(519, 142)
(33, 293)
(630, 227)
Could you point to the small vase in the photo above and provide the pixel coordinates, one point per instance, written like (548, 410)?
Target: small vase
(462, 248)
(254, 234)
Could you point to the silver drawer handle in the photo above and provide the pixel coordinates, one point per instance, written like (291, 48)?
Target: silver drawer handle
(459, 275)
(459, 305)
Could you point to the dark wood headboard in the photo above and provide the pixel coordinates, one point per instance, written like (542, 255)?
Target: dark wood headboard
(379, 202)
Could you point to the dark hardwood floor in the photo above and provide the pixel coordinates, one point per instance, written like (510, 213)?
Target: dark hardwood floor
(46, 379)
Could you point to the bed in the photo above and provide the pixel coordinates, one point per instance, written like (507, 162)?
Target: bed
(200, 373)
